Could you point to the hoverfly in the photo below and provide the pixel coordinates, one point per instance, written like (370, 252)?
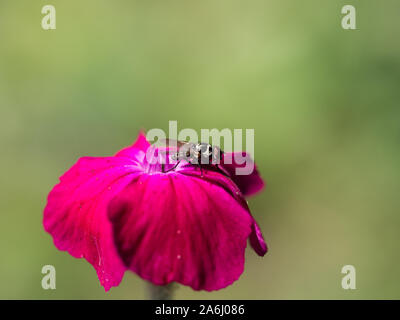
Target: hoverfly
(195, 153)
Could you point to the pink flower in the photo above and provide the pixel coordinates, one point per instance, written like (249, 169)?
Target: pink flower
(123, 213)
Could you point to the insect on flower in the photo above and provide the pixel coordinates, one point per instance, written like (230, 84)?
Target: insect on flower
(199, 154)
(127, 212)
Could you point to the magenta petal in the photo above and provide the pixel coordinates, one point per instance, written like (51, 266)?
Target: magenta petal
(141, 144)
(248, 184)
(75, 214)
(257, 241)
(256, 238)
(123, 212)
(172, 227)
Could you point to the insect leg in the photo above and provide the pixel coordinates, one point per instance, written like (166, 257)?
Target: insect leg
(201, 170)
(173, 167)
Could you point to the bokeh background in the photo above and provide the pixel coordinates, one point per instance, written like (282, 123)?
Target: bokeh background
(324, 103)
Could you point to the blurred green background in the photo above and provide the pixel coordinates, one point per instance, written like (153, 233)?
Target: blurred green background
(324, 103)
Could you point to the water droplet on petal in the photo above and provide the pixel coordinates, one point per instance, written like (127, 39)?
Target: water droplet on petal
(178, 256)
(178, 231)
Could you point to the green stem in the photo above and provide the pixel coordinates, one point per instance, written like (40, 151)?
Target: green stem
(160, 292)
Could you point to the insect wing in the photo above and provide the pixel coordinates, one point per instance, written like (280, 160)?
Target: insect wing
(175, 143)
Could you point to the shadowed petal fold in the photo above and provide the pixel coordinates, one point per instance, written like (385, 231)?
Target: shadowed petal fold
(178, 228)
(214, 177)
